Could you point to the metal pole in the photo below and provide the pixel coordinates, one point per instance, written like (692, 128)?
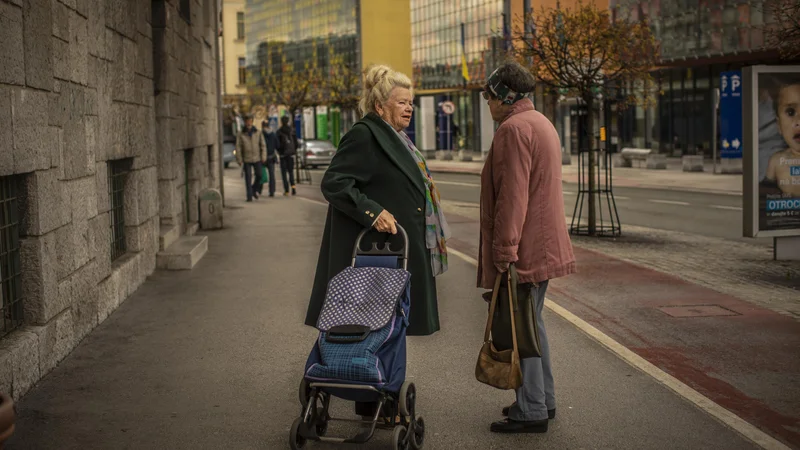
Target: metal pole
(714, 142)
(220, 125)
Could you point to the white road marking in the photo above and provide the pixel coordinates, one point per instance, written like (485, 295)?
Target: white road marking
(731, 208)
(567, 193)
(620, 197)
(723, 415)
(457, 183)
(670, 202)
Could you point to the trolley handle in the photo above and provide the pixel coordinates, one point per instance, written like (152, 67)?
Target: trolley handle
(386, 250)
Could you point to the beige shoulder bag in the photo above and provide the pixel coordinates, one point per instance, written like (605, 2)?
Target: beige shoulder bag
(500, 369)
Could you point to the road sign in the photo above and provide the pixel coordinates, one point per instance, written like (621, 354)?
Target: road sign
(730, 114)
(448, 107)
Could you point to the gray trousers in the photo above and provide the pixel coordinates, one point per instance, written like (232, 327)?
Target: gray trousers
(537, 393)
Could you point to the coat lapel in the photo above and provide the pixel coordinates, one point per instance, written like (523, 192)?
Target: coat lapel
(396, 149)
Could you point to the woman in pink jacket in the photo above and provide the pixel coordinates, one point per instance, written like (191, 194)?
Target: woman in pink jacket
(522, 223)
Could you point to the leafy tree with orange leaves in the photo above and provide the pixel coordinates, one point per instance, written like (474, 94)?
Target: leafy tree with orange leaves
(343, 83)
(290, 87)
(581, 52)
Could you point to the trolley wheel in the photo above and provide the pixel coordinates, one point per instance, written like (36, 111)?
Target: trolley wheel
(304, 393)
(322, 421)
(408, 397)
(296, 442)
(397, 438)
(418, 436)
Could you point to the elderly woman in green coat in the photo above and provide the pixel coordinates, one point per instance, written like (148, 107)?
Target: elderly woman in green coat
(376, 179)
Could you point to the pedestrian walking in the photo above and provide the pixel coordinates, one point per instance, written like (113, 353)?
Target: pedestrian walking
(251, 153)
(287, 149)
(522, 223)
(376, 179)
(271, 140)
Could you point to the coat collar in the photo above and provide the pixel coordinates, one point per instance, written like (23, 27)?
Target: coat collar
(521, 106)
(396, 149)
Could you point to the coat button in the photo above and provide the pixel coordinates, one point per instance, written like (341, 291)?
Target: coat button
(372, 215)
(367, 212)
(419, 209)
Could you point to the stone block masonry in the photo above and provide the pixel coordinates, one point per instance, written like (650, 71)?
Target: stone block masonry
(89, 89)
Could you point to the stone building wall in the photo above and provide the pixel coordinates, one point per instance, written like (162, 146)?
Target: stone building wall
(84, 85)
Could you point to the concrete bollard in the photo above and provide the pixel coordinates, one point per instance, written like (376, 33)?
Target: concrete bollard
(656, 162)
(444, 155)
(692, 163)
(464, 156)
(731, 165)
(210, 209)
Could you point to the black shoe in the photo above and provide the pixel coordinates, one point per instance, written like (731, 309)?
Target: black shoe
(255, 195)
(513, 426)
(551, 413)
(272, 194)
(294, 191)
(249, 200)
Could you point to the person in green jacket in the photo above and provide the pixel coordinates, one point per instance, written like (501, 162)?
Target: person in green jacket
(376, 179)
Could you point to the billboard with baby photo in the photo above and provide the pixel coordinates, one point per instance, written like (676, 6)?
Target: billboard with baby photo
(771, 119)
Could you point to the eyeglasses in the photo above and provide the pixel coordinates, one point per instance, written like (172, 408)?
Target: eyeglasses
(487, 95)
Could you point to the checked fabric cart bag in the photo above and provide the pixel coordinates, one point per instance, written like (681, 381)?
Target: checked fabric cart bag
(362, 328)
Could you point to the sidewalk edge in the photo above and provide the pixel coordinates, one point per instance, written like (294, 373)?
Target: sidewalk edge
(736, 423)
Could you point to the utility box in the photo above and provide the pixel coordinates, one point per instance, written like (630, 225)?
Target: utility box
(210, 209)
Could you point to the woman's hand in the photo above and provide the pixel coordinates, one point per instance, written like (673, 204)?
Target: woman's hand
(386, 223)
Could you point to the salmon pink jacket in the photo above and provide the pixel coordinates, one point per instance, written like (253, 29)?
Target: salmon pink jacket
(522, 203)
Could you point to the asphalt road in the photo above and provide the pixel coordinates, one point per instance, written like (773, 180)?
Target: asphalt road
(698, 213)
(211, 358)
(714, 215)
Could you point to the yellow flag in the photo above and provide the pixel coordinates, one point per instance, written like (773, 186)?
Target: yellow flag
(464, 69)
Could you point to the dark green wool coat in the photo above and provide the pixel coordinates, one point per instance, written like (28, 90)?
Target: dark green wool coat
(372, 171)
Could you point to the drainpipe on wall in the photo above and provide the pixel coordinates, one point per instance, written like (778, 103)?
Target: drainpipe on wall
(220, 149)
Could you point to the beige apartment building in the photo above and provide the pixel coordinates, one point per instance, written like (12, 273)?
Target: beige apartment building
(232, 43)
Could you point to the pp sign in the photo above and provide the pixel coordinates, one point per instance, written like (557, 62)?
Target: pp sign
(730, 114)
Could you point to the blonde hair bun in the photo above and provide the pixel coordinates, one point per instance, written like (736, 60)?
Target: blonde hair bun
(379, 80)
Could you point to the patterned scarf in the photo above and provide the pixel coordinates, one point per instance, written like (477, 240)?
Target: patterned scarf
(436, 229)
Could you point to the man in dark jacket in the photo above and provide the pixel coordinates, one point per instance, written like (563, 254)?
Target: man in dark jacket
(287, 148)
(271, 140)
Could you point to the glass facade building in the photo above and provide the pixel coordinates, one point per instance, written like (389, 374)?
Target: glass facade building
(304, 34)
(441, 32)
(699, 39)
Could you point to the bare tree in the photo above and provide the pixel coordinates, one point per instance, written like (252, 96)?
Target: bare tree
(581, 52)
(784, 32)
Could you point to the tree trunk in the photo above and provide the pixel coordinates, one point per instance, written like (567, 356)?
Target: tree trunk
(592, 163)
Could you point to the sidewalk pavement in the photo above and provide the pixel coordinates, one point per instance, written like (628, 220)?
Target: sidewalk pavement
(672, 178)
(211, 358)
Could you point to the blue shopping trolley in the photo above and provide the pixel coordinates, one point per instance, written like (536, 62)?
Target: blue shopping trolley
(360, 352)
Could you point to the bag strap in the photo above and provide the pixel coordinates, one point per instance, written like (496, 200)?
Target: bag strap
(491, 308)
(512, 295)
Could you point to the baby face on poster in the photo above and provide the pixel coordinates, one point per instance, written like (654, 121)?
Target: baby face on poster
(784, 166)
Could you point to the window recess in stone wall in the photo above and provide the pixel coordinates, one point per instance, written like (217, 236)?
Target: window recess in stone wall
(117, 175)
(11, 306)
(185, 10)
